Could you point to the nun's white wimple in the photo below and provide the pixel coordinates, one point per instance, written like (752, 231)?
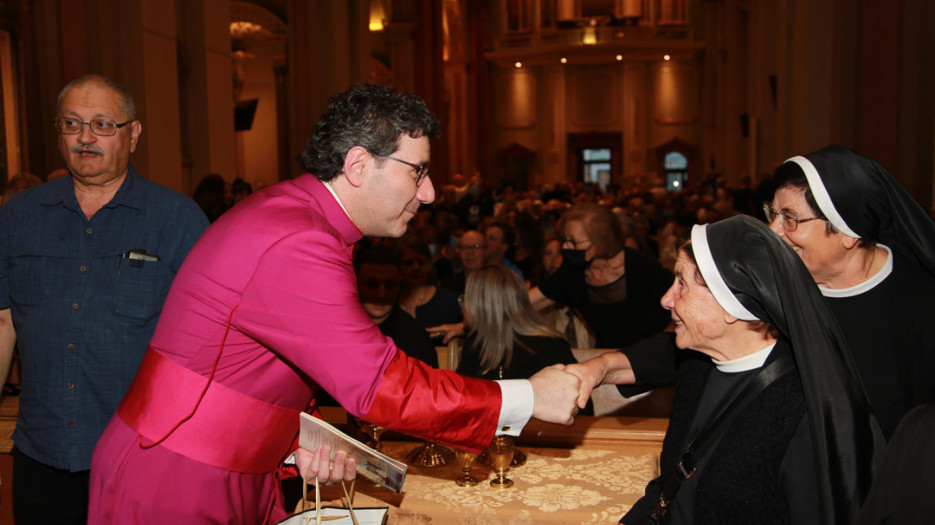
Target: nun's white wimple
(822, 197)
(712, 276)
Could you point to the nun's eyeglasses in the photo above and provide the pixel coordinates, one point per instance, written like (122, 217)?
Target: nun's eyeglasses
(787, 219)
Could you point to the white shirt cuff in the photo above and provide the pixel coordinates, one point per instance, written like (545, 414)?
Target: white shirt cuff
(517, 402)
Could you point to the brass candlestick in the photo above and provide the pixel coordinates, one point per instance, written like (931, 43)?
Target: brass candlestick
(371, 431)
(501, 454)
(429, 455)
(466, 460)
(375, 432)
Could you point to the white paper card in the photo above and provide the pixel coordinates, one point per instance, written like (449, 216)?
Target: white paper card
(371, 464)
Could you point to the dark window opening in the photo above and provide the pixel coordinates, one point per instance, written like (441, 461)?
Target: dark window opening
(676, 166)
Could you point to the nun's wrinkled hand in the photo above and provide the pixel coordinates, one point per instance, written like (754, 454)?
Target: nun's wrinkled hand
(318, 464)
(591, 374)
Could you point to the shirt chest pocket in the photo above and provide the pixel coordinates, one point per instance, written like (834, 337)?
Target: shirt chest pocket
(141, 288)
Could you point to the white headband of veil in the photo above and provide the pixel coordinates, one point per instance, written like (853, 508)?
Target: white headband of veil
(822, 197)
(713, 278)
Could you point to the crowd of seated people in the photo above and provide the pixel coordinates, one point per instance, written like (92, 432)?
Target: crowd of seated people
(470, 226)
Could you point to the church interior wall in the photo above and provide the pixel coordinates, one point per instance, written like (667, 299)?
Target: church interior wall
(751, 84)
(260, 163)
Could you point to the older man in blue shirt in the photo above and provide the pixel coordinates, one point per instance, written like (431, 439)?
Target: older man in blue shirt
(85, 264)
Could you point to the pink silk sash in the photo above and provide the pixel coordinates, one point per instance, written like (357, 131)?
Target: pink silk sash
(228, 430)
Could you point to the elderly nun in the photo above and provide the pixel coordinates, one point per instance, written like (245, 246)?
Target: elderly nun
(769, 423)
(871, 249)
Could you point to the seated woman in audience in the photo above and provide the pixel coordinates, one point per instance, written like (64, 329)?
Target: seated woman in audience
(506, 337)
(550, 261)
(769, 423)
(615, 289)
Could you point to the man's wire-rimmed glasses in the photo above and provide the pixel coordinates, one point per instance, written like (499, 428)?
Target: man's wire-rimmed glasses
(422, 170)
(101, 127)
(787, 219)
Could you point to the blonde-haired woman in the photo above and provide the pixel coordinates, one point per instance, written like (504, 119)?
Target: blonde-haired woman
(506, 337)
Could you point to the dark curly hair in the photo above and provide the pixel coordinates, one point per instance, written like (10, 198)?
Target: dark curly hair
(369, 116)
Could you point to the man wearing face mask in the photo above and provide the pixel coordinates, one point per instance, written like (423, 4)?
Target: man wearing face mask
(615, 289)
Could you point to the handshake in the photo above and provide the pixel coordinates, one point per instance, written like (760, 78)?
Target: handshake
(561, 390)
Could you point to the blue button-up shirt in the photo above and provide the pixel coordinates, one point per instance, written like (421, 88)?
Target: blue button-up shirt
(84, 307)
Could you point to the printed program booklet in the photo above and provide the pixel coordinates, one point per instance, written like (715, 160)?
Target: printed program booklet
(371, 464)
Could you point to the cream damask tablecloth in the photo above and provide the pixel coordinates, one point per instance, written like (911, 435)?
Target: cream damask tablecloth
(573, 486)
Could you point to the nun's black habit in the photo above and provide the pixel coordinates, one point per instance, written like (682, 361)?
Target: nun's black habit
(887, 318)
(755, 275)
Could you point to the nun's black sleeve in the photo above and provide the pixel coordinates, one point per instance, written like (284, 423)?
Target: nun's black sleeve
(639, 513)
(654, 362)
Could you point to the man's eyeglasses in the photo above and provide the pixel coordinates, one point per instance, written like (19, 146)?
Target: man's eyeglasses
(422, 170)
(101, 127)
(787, 219)
(475, 247)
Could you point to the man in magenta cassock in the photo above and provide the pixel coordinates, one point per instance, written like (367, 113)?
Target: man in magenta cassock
(264, 312)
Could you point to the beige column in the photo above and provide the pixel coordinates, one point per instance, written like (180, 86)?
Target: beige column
(208, 103)
(326, 55)
(148, 60)
(552, 125)
(636, 118)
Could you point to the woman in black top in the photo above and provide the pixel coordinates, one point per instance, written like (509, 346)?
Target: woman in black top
(615, 289)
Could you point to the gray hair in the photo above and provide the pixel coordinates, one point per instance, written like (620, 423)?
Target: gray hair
(124, 99)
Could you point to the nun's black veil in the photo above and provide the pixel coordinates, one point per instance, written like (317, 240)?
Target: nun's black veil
(871, 203)
(772, 283)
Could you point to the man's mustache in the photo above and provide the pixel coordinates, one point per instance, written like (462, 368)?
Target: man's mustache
(78, 148)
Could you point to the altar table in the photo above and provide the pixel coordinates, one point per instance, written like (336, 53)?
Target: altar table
(555, 485)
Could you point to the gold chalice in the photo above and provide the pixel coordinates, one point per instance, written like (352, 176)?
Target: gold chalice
(501, 454)
(519, 458)
(466, 461)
